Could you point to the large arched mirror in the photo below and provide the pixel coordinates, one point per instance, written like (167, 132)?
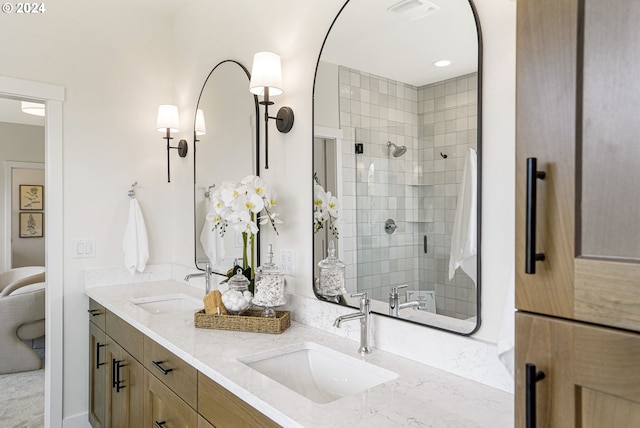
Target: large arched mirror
(225, 149)
(397, 143)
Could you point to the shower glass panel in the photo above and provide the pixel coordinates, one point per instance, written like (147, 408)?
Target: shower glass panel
(418, 189)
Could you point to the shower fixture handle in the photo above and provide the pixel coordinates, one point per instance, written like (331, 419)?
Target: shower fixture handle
(531, 257)
(390, 226)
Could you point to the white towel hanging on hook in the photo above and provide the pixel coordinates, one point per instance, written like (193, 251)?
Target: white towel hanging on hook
(136, 243)
(464, 237)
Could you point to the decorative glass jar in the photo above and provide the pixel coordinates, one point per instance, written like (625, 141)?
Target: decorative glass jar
(237, 298)
(331, 278)
(269, 287)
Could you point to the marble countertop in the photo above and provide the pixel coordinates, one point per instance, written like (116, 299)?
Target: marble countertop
(421, 396)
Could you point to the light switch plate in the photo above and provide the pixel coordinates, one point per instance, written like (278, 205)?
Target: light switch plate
(84, 248)
(288, 262)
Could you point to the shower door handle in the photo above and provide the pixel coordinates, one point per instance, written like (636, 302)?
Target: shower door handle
(531, 257)
(532, 376)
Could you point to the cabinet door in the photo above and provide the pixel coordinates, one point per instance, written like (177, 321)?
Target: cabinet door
(577, 104)
(126, 389)
(164, 408)
(225, 410)
(592, 374)
(98, 367)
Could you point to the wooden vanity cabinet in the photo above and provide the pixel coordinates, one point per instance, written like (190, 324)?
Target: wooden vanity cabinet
(115, 376)
(164, 408)
(174, 372)
(125, 398)
(98, 368)
(577, 210)
(225, 410)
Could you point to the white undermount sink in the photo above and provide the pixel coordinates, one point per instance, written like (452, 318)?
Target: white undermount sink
(168, 303)
(318, 373)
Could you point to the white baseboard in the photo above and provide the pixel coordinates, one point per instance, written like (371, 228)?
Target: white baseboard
(77, 421)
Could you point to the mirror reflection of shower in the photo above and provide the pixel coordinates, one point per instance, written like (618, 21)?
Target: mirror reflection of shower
(398, 150)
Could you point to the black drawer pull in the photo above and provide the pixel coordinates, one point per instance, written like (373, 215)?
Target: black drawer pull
(95, 312)
(532, 377)
(157, 424)
(118, 383)
(98, 363)
(157, 365)
(531, 257)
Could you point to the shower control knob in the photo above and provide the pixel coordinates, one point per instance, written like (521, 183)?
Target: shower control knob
(390, 226)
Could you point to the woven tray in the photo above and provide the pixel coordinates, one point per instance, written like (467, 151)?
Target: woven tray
(251, 321)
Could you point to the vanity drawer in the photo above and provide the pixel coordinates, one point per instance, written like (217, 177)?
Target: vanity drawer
(172, 371)
(97, 314)
(165, 408)
(223, 409)
(126, 335)
(203, 423)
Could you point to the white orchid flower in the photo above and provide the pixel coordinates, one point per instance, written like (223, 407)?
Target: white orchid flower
(241, 221)
(254, 185)
(271, 218)
(320, 201)
(332, 205)
(252, 203)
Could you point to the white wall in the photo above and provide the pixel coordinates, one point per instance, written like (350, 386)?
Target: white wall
(117, 61)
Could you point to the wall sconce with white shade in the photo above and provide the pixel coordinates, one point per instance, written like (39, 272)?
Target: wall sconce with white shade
(266, 81)
(201, 127)
(168, 122)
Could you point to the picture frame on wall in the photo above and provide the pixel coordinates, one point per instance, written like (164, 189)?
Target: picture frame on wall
(31, 225)
(31, 197)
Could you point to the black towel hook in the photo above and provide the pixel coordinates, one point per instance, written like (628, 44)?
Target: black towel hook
(444, 155)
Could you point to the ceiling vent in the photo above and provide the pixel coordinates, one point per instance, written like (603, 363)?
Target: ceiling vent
(413, 9)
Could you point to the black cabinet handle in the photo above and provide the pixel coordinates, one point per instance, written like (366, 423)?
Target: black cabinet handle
(157, 365)
(114, 375)
(532, 377)
(95, 312)
(157, 424)
(117, 382)
(98, 363)
(531, 257)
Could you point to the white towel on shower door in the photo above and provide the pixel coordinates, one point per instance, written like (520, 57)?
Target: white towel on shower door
(136, 243)
(464, 237)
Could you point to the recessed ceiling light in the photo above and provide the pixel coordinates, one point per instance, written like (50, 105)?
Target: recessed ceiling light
(442, 63)
(36, 109)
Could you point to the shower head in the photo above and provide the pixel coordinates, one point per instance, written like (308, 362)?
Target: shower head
(398, 150)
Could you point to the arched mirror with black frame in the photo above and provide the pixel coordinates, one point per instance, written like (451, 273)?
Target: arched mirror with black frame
(397, 143)
(226, 148)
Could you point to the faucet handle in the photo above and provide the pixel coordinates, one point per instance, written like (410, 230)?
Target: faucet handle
(362, 294)
(394, 290)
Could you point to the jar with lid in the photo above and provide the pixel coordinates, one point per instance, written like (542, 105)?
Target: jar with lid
(269, 286)
(331, 277)
(237, 298)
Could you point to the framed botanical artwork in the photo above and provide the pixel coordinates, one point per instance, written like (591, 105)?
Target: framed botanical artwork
(31, 197)
(31, 225)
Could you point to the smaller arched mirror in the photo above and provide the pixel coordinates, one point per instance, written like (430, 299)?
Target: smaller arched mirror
(226, 149)
(397, 100)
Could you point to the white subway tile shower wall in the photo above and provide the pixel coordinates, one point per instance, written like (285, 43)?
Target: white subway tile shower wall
(418, 190)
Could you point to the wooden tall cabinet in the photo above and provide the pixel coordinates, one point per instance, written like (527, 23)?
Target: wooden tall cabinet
(578, 212)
